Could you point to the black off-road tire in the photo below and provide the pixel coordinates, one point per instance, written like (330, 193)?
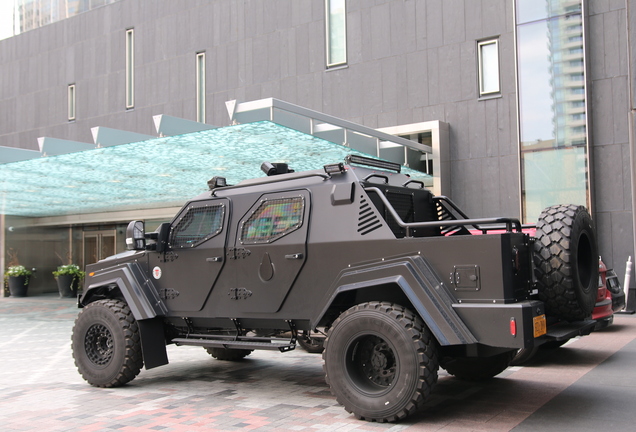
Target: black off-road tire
(478, 368)
(311, 342)
(106, 344)
(566, 262)
(380, 361)
(228, 354)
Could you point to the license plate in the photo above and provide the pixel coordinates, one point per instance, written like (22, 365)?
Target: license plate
(539, 326)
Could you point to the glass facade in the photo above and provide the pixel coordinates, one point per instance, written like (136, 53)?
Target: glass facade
(336, 22)
(552, 104)
(23, 15)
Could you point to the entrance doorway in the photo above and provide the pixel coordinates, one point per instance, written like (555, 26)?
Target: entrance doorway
(98, 245)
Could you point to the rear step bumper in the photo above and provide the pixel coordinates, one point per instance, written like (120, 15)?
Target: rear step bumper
(566, 331)
(235, 344)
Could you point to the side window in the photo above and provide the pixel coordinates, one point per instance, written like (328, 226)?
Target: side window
(197, 225)
(272, 220)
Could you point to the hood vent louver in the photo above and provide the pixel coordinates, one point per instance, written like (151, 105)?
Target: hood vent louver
(368, 221)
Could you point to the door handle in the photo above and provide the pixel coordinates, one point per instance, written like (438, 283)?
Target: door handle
(294, 256)
(214, 259)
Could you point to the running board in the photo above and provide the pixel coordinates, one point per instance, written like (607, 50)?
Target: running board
(234, 344)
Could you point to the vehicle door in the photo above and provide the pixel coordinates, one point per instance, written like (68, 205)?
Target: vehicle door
(186, 272)
(269, 250)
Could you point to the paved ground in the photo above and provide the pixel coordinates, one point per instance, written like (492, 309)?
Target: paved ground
(588, 385)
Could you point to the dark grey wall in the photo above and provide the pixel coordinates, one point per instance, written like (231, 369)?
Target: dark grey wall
(610, 106)
(408, 61)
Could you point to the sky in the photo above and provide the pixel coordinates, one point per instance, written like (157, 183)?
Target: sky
(6, 18)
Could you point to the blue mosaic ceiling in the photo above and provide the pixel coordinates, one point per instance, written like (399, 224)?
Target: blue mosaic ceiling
(160, 172)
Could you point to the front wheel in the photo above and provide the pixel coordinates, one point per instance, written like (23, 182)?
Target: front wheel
(380, 361)
(106, 344)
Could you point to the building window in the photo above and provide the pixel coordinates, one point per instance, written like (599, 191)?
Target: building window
(336, 30)
(553, 130)
(130, 69)
(200, 77)
(71, 102)
(488, 53)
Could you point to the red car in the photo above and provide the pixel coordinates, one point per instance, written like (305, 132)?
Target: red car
(603, 312)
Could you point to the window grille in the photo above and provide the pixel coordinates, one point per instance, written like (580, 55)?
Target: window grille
(272, 220)
(197, 225)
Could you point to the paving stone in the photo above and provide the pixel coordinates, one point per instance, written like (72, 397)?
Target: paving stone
(40, 389)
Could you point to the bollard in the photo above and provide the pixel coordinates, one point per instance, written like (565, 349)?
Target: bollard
(630, 294)
(628, 277)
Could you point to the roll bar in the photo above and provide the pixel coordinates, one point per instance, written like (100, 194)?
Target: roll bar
(509, 223)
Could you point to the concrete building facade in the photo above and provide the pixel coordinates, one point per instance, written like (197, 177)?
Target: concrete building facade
(404, 62)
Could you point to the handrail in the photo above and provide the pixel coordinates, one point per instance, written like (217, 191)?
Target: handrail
(509, 222)
(448, 201)
(273, 179)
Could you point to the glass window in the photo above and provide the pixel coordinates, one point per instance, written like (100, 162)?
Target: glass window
(200, 77)
(71, 102)
(273, 219)
(130, 68)
(488, 67)
(336, 23)
(197, 225)
(533, 10)
(552, 93)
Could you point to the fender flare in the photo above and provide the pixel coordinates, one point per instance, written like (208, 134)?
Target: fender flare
(421, 285)
(138, 291)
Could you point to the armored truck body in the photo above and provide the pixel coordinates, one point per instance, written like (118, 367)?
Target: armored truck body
(398, 280)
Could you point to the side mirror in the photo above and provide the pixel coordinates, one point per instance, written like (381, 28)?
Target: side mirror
(160, 237)
(135, 236)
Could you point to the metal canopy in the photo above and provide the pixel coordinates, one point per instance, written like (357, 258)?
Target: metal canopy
(159, 172)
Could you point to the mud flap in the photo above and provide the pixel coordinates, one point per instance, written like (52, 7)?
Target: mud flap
(153, 342)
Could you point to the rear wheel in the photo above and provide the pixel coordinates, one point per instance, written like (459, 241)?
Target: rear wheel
(106, 344)
(566, 262)
(380, 361)
(228, 353)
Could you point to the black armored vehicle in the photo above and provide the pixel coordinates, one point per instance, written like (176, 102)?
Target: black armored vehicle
(401, 282)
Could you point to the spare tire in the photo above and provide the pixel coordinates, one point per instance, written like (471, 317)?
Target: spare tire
(566, 262)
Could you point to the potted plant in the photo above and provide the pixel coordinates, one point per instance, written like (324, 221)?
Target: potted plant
(17, 277)
(68, 278)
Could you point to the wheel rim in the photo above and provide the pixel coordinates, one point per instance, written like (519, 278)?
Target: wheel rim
(371, 364)
(98, 344)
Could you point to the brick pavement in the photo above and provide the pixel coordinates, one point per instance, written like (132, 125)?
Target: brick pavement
(40, 389)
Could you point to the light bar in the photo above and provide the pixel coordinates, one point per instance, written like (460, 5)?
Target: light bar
(337, 168)
(361, 160)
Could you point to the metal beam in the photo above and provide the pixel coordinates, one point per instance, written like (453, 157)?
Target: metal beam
(106, 137)
(271, 109)
(12, 154)
(55, 146)
(169, 126)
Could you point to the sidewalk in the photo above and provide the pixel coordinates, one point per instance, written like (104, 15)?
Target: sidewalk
(587, 385)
